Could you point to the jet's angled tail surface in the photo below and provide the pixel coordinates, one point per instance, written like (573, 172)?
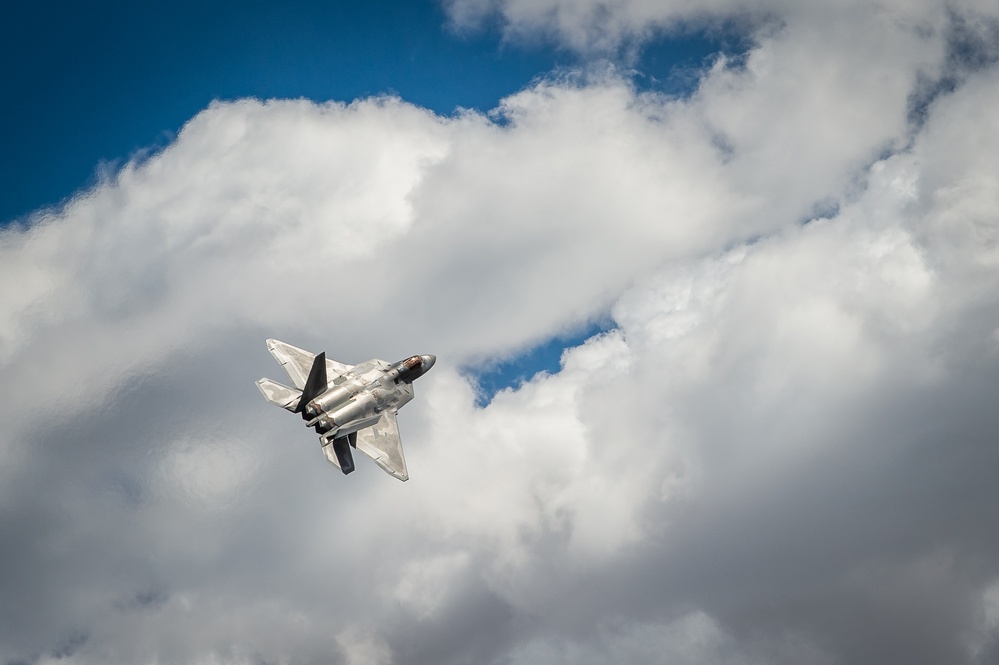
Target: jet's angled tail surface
(316, 384)
(283, 396)
(337, 451)
(298, 362)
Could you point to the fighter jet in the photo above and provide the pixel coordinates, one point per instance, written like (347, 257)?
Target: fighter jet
(350, 406)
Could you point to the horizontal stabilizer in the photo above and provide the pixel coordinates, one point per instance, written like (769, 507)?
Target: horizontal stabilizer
(283, 396)
(381, 442)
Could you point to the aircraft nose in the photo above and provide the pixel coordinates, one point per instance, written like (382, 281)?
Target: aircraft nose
(428, 361)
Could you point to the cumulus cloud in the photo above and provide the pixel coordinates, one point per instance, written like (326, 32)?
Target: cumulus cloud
(602, 27)
(781, 453)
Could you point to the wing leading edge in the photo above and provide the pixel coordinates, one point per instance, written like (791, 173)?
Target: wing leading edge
(381, 442)
(298, 362)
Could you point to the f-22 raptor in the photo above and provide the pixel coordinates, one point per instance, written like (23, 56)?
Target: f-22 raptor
(350, 406)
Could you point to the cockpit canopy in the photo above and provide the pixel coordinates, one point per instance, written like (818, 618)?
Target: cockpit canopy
(414, 367)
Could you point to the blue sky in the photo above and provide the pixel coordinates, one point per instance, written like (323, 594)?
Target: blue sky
(494, 376)
(88, 86)
(85, 84)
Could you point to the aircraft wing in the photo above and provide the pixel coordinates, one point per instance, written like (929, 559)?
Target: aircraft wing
(381, 443)
(298, 362)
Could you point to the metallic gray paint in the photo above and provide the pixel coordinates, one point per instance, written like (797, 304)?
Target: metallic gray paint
(359, 401)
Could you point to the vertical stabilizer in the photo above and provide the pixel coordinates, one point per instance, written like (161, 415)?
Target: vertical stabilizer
(316, 383)
(341, 448)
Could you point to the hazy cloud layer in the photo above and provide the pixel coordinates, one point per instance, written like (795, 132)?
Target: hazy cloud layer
(784, 452)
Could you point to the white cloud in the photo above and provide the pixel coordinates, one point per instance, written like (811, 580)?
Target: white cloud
(598, 26)
(782, 453)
